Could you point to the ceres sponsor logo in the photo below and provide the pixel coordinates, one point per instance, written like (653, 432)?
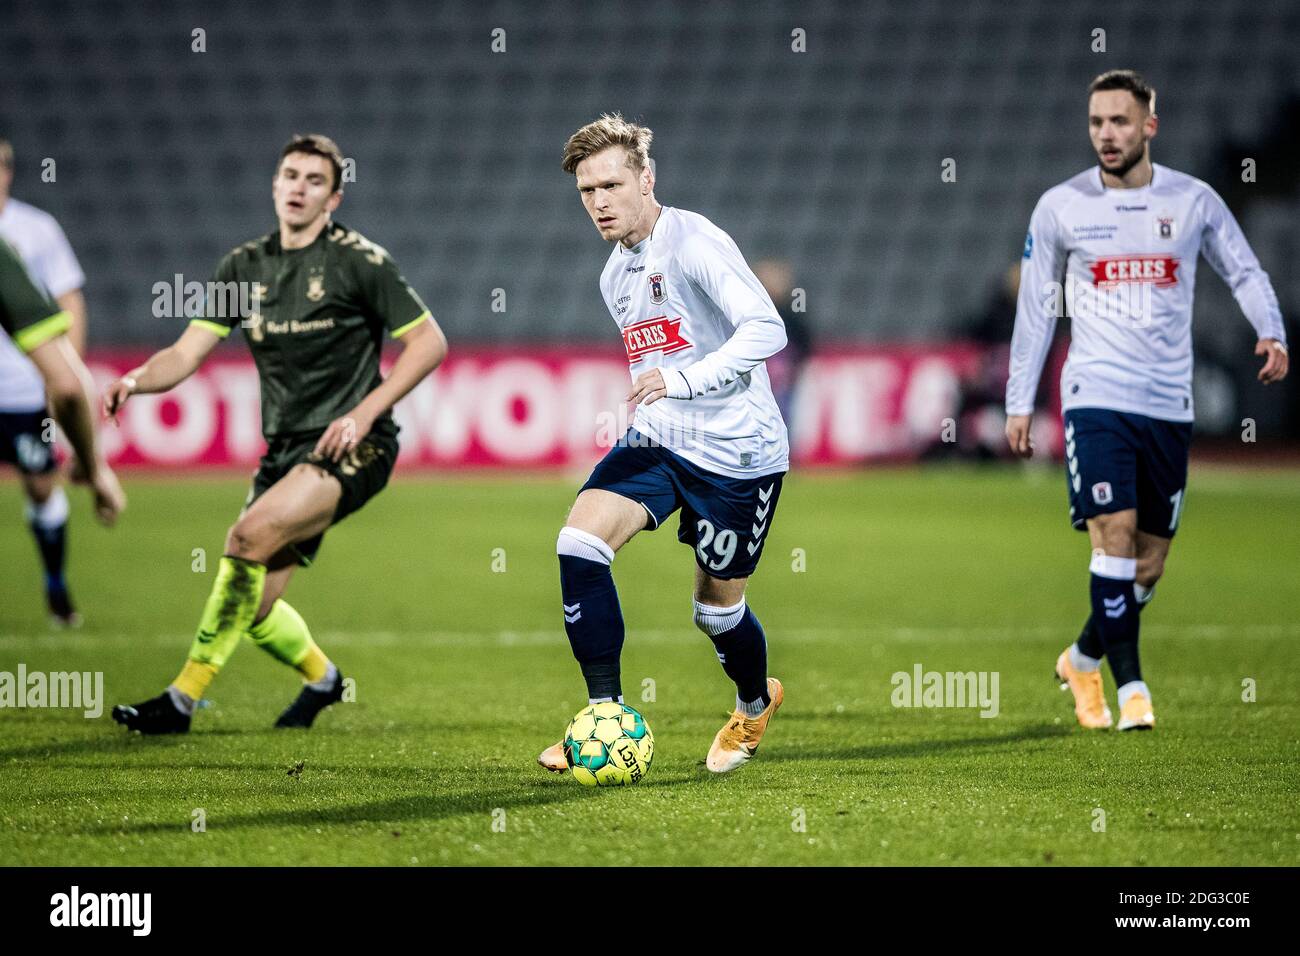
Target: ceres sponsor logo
(1114, 270)
(660, 334)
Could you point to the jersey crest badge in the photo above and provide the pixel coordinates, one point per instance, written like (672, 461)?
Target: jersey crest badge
(1102, 494)
(1166, 226)
(657, 293)
(316, 288)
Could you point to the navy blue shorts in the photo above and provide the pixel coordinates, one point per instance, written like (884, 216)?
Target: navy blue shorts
(22, 442)
(1118, 460)
(724, 519)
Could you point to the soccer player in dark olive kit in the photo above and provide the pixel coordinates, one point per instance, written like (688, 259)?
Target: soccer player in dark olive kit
(39, 328)
(320, 300)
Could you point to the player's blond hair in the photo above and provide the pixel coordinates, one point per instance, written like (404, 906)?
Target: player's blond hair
(6, 154)
(610, 130)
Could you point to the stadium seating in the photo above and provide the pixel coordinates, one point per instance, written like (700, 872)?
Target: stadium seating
(831, 157)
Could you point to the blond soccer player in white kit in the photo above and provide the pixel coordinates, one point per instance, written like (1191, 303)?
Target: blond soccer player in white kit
(1116, 248)
(707, 437)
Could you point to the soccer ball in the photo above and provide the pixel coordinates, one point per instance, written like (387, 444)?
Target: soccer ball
(608, 745)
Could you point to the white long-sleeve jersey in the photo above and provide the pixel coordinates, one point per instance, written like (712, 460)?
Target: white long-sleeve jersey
(687, 303)
(1122, 264)
(50, 260)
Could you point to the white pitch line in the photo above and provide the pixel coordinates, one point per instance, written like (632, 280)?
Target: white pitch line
(83, 642)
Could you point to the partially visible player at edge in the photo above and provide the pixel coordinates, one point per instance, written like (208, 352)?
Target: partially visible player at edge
(323, 298)
(40, 330)
(1120, 245)
(24, 441)
(707, 436)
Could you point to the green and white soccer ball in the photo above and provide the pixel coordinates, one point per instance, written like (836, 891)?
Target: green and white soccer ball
(608, 745)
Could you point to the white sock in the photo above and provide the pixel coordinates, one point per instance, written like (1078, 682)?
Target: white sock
(583, 544)
(718, 620)
(1081, 661)
(326, 683)
(603, 700)
(1131, 688)
(1143, 594)
(52, 512)
(750, 708)
(183, 702)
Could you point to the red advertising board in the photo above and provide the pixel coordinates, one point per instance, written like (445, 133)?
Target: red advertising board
(556, 407)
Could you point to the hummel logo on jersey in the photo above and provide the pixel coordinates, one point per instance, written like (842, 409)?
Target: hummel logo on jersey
(1116, 606)
(572, 612)
(1159, 270)
(660, 334)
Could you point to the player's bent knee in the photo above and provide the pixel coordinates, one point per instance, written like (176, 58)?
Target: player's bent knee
(1149, 571)
(611, 517)
(252, 540)
(39, 488)
(49, 511)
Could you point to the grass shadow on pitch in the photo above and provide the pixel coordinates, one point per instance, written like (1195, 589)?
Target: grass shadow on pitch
(425, 807)
(922, 748)
(112, 743)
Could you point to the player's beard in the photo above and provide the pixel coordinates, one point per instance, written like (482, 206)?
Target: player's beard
(1129, 162)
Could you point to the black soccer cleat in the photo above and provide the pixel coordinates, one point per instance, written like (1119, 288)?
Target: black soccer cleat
(62, 614)
(158, 715)
(311, 702)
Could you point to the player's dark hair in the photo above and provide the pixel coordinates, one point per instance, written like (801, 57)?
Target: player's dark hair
(317, 144)
(1130, 80)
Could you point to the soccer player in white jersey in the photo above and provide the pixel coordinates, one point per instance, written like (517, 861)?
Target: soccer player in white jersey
(1116, 247)
(706, 438)
(25, 441)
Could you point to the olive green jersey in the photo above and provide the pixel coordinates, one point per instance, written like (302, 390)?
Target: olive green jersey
(315, 319)
(29, 315)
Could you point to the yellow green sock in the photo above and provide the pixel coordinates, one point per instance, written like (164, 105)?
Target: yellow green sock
(284, 635)
(232, 605)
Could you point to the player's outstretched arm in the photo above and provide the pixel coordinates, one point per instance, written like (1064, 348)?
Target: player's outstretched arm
(164, 370)
(70, 387)
(423, 349)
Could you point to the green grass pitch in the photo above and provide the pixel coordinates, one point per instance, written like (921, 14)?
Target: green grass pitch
(463, 675)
